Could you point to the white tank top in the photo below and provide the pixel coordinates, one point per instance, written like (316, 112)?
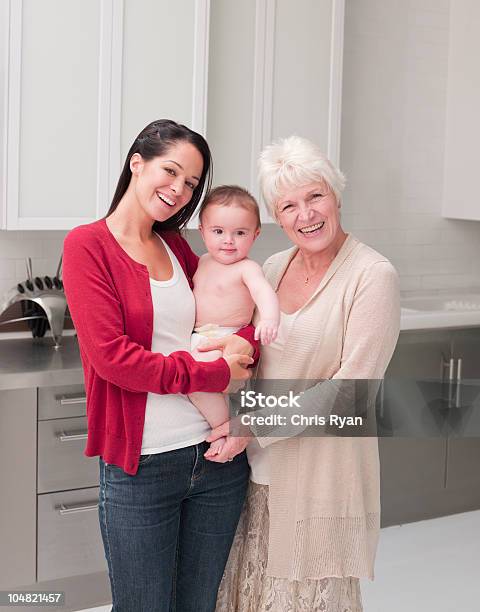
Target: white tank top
(172, 421)
(267, 368)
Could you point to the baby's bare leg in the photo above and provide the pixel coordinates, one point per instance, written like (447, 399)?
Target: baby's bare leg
(213, 406)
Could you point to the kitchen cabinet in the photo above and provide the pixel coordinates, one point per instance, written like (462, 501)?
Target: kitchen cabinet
(49, 503)
(18, 498)
(463, 443)
(462, 120)
(430, 451)
(275, 69)
(61, 66)
(164, 65)
(68, 541)
(78, 80)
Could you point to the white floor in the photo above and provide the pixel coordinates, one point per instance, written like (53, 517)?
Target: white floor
(430, 566)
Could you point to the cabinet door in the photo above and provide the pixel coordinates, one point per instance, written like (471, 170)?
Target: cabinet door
(466, 346)
(63, 113)
(164, 71)
(462, 121)
(307, 71)
(275, 69)
(463, 473)
(465, 412)
(18, 444)
(414, 386)
(61, 462)
(230, 89)
(412, 478)
(69, 539)
(412, 461)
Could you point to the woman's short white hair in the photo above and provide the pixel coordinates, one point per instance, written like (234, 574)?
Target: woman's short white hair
(290, 163)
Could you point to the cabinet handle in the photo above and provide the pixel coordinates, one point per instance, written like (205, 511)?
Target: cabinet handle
(63, 509)
(67, 400)
(64, 437)
(451, 372)
(458, 400)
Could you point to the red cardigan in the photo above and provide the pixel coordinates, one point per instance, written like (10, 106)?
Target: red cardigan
(109, 299)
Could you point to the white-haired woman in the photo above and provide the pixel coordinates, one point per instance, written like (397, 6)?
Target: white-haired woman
(311, 522)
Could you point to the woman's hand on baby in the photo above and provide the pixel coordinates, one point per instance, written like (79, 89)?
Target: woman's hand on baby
(238, 371)
(229, 345)
(266, 330)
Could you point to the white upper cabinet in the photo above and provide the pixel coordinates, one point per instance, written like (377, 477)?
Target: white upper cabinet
(462, 157)
(230, 89)
(164, 64)
(60, 78)
(275, 69)
(80, 78)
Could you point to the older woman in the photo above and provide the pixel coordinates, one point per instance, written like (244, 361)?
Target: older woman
(310, 525)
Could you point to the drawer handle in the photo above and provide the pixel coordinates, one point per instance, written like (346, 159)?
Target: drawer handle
(63, 509)
(68, 400)
(64, 437)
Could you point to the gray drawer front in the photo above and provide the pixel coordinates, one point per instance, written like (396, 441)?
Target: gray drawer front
(61, 462)
(60, 402)
(69, 539)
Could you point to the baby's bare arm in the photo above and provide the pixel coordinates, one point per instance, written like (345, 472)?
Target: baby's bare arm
(265, 298)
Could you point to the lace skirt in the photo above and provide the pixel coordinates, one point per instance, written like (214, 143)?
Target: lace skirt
(245, 586)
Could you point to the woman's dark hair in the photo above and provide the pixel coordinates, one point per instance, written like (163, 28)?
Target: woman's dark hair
(154, 141)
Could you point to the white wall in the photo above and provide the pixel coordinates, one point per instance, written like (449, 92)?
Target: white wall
(393, 139)
(44, 247)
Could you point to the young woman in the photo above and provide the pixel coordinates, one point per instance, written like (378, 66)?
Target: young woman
(167, 515)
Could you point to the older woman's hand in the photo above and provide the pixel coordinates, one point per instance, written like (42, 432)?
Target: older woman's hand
(229, 345)
(234, 444)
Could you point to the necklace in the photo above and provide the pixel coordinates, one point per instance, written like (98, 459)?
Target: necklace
(321, 271)
(308, 277)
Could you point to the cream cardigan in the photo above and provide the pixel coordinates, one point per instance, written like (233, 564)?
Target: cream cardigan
(324, 494)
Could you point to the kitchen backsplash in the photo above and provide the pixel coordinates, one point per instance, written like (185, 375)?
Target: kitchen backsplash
(45, 247)
(393, 124)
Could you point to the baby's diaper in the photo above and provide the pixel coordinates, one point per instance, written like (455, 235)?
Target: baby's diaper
(210, 330)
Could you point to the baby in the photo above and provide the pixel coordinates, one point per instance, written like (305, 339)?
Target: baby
(228, 286)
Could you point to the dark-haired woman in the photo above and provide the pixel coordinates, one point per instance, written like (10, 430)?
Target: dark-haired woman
(167, 515)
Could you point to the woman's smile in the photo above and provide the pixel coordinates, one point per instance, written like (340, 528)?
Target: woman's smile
(312, 230)
(164, 198)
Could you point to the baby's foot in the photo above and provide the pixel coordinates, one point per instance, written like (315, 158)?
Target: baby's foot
(216, 447)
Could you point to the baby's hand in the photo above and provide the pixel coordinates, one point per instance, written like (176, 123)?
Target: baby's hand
(266, 330)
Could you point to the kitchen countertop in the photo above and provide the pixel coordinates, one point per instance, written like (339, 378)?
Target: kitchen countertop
(441, 311)
(29, 362)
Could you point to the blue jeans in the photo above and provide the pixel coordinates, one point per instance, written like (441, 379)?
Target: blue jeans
(167, 531)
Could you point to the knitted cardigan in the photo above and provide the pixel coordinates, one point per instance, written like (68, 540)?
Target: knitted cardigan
(324, 494)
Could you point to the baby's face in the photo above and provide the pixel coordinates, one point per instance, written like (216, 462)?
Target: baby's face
(228, 232)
